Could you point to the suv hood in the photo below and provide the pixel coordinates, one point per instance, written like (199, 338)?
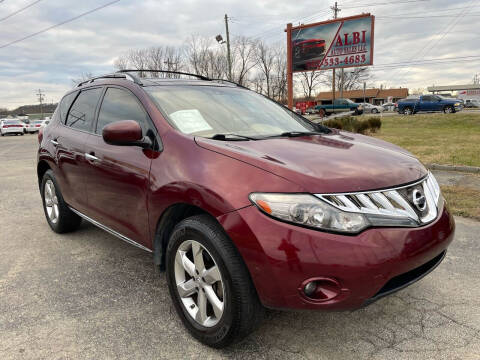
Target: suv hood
(330, 163)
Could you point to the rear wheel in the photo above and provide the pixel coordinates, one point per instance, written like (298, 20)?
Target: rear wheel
(60, 218)
(209, 284)
(408, 111)
(374, 111)
(322, 113)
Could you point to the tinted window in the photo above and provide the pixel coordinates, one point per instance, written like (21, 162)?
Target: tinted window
(118, 105)
(65, 105)
(427, 98)
(82, 112)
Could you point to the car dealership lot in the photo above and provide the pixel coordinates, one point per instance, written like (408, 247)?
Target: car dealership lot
(89, 295)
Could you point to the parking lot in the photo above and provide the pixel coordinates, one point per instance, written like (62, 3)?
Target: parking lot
(89, 295)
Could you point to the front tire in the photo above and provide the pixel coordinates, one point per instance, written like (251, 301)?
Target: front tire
(209, 283)
(60, 218)
(448, 110)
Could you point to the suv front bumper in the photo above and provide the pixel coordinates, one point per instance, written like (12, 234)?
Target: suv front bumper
(283, 257)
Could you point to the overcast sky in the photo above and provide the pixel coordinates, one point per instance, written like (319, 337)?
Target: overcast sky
(405, 30)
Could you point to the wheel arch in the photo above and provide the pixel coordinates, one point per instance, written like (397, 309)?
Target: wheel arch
(42, 168)
(170, 217)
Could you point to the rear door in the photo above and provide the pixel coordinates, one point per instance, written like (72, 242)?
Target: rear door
(77, 113)
(118, 176)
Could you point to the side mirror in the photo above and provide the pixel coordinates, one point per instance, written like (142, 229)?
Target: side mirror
(125, 133)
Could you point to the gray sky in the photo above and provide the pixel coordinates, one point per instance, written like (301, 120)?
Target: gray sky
(405, 30)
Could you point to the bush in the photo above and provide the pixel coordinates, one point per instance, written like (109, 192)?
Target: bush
(349, 123)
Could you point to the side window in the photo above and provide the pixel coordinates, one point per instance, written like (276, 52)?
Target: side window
(118, 105)
(82, 112)
(427, 98)
(65, 105)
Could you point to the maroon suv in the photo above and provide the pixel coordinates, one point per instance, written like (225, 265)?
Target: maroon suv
(244, 203)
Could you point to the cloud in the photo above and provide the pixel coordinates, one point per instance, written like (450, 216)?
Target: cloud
(90, 44)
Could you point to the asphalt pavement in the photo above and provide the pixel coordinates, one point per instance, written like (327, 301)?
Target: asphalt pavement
(88, 295)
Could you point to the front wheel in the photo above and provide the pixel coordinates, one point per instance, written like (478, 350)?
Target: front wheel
(209, 283)
(448, 110)
(374, 111)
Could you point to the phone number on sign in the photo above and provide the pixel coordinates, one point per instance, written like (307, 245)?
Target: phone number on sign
(337, 61)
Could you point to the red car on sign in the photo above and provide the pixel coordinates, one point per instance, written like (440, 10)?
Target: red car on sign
(308, 49)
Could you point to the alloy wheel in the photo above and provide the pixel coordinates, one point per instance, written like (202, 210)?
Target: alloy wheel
(51, 201)
(199, 283)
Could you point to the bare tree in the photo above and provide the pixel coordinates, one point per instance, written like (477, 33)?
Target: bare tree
(243, 58)
(309, 81)
(265, 55)
(206, 58)
(352, 80)
(84, 76)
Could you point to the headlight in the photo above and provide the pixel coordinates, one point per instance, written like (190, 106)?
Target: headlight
(307, 210)
(457, 104)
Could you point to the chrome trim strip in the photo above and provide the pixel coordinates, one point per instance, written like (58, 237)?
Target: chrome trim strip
(107, 229)
(388, 202)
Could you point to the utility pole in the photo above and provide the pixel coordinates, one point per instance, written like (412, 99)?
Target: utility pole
(229, 59)
(41, 97)
(335, 15)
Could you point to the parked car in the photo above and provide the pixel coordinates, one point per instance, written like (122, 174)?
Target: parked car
(428, 103)
(311, 110)
(338, 106)
(11, 126)
(389, 106)
(244, 203)
(370, 108)
(472, 103)
(36, 125)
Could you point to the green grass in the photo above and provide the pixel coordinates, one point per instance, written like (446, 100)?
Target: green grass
(462, 201)
(452, 139)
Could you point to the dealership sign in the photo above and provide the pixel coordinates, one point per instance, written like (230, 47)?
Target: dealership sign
(338, 43)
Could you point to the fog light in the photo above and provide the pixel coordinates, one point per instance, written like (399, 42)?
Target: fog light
(310, 288)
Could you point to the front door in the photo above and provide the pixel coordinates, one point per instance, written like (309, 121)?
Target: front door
(117, 177)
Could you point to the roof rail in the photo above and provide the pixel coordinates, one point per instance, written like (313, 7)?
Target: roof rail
(111, 76)
(201, 77)
(230, 82)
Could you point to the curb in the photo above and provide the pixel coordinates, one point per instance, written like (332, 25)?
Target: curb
(459, 168)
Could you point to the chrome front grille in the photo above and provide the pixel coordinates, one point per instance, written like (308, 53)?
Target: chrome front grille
(400, 202)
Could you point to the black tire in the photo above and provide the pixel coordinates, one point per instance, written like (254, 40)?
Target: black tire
(242, 309)
(374, 111)
(408, 111)
(448, 110)
(67, 220)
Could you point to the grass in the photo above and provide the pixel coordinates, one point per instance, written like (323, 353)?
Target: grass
(462, 201)
(452, 139)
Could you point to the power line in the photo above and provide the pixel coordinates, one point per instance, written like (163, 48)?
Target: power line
(59, 24)
(385, 3)
(19, 10)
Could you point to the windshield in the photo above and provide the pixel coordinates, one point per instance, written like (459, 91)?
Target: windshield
(12, 122)
(210, 110)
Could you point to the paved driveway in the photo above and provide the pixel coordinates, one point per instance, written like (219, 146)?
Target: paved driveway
(89, 295)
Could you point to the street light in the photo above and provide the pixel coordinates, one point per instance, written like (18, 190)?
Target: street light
(219, 39)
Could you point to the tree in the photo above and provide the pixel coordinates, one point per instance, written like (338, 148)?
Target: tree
(352, 80)
(84, 76)
(309, 81)
(243, 58)
(265, 56)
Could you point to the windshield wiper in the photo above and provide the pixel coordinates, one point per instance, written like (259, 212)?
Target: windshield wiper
(299, 133)
(231, 136)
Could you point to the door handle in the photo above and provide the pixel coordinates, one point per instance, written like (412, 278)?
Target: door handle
(91, 157)
(54, 142)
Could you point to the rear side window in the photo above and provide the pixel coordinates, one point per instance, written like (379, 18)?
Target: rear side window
(65, 105)
(82, 112)
(118, 105)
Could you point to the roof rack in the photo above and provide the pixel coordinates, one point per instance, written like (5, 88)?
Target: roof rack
(201, 77)
(230, 82)
(111, 76)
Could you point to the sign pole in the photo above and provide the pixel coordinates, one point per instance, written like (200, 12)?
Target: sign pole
(335, 12)
(289, 67)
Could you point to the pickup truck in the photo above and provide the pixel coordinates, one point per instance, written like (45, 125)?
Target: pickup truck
(339, 105)
(428, 103)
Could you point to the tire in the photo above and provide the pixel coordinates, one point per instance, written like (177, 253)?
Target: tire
(64, 220)
(374, 111)
(322, 113)
(408, 111)
(448, 109)
(22, 134)
(241, 310)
